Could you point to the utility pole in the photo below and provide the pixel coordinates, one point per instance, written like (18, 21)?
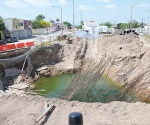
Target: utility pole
(143, 22)
(73, 16)
(81, 16)
(61, 23)
(131, 14)
(61, 18)
(115, 21)
(46, 11)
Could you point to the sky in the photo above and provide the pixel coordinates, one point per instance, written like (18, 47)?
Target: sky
(99, 11)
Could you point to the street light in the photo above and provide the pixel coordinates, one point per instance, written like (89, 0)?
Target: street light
(115, 20)
(143, 22)
(131, 14)
(61, 16)
(73, 14)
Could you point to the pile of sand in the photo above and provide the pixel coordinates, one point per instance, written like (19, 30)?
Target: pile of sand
(25, 110)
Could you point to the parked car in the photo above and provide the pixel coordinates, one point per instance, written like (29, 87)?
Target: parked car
(15, 39)
(2, 42)
(12, 39)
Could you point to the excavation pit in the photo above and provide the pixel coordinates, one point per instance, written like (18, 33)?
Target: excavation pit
(60, 87)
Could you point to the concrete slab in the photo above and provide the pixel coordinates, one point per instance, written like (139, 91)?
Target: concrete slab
(20, 86)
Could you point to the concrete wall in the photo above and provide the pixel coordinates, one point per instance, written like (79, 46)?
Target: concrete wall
(39, 31)
(21, 34)
(42, 31)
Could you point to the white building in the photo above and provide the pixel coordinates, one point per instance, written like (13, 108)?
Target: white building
(21, 24)
(17, 28)
(147, 28)
(95, 28)
(9, 24)
(92, 27)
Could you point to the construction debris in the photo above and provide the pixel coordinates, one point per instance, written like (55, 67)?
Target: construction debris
(44, 113)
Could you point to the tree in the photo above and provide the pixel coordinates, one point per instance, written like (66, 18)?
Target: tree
(123, 25)
(57, 20)
(36, 24)
(79, 27)
(52, 21)
(109, 24)
(40, 17)
(44, 24)
(2, 24)
(135, 24)
(67, 24)
(40, 22)
(82, 23)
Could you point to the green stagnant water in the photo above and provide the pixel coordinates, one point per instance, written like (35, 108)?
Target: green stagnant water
(102, 92)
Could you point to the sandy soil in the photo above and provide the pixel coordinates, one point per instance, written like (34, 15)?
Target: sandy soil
(25, 110)
(128, 51)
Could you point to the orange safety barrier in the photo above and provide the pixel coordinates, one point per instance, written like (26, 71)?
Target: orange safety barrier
(11, 46)
(1, 48)
(7, 47)
(20, 45)
(14, 46)
(29, 44)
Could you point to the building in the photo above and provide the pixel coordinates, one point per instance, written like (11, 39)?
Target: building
(92, 27)
(27, 24)
(147, 28)
(54, 27)
(19, 28)
(105, 30)
(21, 24)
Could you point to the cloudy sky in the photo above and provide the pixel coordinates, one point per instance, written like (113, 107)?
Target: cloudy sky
(97, 10)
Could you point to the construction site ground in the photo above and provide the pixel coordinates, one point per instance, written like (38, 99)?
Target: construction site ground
(70, 55)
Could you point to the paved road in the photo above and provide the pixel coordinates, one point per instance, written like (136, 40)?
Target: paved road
(42, 38)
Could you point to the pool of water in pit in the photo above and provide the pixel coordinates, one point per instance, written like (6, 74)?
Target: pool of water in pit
(102, 91)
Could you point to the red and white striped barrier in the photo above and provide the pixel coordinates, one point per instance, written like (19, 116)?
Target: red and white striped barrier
(14, 46)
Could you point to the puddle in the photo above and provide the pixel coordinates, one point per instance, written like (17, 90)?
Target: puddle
(101, 92)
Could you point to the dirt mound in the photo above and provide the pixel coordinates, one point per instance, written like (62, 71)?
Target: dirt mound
(25, 110)
(61, 57)
(130, 62)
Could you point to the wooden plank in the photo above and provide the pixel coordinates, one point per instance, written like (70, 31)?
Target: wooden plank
(2, 92)
(44, 113)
